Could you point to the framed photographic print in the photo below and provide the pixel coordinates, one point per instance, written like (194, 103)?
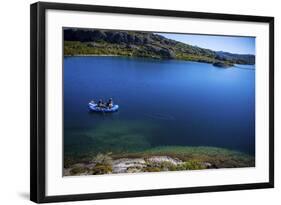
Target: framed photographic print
(129, 102)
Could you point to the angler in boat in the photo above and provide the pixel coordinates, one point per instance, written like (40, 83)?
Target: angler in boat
(103, 107)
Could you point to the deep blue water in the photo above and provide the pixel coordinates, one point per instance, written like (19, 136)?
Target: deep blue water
(162, 102)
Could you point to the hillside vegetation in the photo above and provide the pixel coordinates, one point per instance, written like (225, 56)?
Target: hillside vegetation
(143, 44)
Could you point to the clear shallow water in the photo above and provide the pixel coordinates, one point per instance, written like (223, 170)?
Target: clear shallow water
(162, 102)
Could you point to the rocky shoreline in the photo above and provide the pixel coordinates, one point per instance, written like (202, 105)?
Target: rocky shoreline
(157, 159)
(133, 165)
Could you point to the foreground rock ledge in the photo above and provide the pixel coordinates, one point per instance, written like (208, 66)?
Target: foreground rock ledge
(132, 165)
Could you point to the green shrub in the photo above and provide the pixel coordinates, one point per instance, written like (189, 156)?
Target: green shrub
(190, 165)
(102, 169)
(167, 166)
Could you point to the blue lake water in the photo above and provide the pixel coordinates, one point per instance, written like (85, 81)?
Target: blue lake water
(162, 102)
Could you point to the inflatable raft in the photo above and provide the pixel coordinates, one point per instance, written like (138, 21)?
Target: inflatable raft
(93, 107)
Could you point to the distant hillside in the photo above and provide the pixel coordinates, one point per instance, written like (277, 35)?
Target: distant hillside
(143, 44)
(238, 58)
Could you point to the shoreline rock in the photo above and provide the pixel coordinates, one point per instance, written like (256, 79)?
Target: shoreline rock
(124, 164)
(162, 159)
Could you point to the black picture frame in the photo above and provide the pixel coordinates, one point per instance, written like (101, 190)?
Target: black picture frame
(38, 103)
